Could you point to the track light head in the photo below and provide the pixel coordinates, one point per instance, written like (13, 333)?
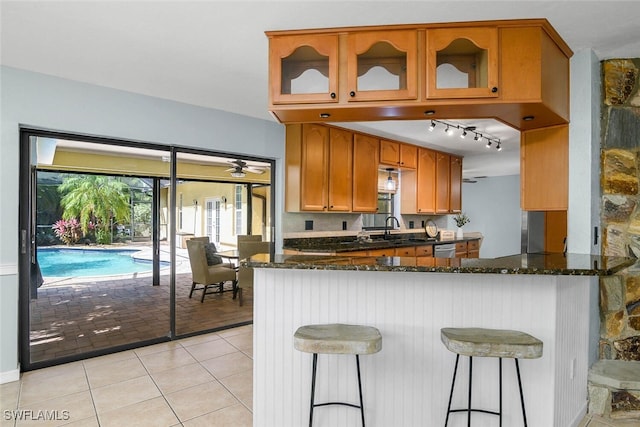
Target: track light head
(432, 126)
(488, 143)
(463, 134)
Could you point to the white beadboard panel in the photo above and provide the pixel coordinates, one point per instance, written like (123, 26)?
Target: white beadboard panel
(407, 383)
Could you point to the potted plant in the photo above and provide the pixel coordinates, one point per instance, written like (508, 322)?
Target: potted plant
(461, 219)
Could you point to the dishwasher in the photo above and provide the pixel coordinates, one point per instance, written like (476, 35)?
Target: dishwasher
(445, 251)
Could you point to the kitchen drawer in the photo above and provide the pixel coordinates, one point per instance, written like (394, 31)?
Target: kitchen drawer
(408, 251)
(381, 252)
(461, 247)
(426, 250)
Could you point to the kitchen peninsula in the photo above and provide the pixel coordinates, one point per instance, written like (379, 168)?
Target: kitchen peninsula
(551, 296)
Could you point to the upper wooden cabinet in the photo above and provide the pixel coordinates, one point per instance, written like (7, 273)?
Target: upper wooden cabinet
(382, 65)
(318, 169)
(516, 71)
(443, 170)
(544, 169)
(402, 156)
(365, 173)
(303, 69)
(455, 185)
(534, 69)
(418, 188)
(462, 63)
(340, 170)
(330, 170)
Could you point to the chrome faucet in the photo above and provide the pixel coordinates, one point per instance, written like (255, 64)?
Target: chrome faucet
(386, 225)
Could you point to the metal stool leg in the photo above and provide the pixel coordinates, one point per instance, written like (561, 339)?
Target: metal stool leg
(470, 376)
(313, 387)
(453, 382)
(500, 380)
(524, 413)
(360, 389)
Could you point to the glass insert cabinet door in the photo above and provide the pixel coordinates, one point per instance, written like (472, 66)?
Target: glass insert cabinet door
(382, 65)
(462, 63)
(305, 68)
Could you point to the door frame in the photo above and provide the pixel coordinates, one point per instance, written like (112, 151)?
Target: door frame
(27, 235)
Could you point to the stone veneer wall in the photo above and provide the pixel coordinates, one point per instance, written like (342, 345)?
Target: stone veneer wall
(620, 177)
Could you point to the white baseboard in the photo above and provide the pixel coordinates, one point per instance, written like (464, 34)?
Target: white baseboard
(8, 269)
(581, 414)
(10, 376)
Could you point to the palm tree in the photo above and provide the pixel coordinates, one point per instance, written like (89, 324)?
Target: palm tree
(95, 200)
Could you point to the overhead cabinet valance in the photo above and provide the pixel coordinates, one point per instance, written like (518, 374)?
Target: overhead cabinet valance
(516, 71)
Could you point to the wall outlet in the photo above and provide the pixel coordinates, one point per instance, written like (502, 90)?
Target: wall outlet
(308, 224)
(344, 225)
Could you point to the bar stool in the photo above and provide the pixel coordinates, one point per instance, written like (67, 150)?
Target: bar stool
(478, 342)
(337, 339)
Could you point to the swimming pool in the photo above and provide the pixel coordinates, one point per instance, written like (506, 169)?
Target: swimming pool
(65, 262)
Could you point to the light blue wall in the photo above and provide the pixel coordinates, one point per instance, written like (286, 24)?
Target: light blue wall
(41, 101)
(493, 205)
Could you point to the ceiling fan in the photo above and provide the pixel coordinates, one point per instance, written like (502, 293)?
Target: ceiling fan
(240, 167)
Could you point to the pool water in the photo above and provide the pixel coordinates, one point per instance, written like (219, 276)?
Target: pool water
(90, 262)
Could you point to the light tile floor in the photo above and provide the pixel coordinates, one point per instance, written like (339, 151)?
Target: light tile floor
(205, 380)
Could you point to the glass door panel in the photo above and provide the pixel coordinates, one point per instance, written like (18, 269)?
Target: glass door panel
(213, 205)
(97, 285)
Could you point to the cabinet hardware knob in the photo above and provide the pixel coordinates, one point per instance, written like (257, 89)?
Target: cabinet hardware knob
(494, 89)
(352, 94)
(333, 95)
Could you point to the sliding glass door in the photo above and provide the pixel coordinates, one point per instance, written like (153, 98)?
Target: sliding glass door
(104, 228)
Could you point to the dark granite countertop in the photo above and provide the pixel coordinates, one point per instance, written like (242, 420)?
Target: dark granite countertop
(342, 245)
(537, 263)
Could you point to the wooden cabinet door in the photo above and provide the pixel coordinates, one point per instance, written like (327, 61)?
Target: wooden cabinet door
(406, 252)
(426, 181)
(314, 163)
(443, 166)
(382, 65)
(544, 169)
(555, 231)
(365, 173)
(408, 156)
(425, 250)
(455, 185)
(461, 250)
(292, 56)
(473, 249)
(389, 152)
(340, 170)
(462, 62)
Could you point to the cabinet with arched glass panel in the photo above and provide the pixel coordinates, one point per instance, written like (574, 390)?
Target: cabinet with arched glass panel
(462, 62)
(303, 69)
(382, 65)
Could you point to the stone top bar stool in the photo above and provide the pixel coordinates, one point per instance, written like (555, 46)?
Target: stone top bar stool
(478, 342)
(337, 339)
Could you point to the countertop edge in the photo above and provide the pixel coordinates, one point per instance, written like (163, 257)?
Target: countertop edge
(503, 265)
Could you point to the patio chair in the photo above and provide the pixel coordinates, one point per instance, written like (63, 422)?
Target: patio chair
(248, 246)
(209, 275)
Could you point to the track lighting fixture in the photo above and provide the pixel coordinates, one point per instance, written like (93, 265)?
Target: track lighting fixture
(465, 130)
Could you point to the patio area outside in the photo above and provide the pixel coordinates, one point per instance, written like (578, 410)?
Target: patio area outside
(72, 316)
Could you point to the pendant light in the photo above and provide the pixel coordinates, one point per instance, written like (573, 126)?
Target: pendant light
(390, 185)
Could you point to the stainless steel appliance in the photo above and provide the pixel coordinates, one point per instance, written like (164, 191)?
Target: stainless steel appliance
(447, 250)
